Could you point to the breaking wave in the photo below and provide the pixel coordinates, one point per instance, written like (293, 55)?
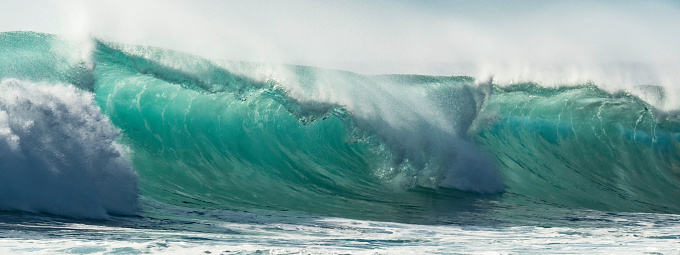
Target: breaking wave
(237, 135)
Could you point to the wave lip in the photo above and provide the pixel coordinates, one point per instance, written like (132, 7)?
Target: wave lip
(58, 154)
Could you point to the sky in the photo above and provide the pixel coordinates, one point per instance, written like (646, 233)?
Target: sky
(520, 38)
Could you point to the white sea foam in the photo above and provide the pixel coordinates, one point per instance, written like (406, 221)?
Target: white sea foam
(184, 231)
(58, 154)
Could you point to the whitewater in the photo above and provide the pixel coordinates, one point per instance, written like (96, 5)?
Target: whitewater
(108, 147)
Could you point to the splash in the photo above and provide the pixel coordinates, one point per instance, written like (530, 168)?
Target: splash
(58, 154)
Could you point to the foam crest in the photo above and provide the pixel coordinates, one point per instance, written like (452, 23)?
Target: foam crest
(58, 154)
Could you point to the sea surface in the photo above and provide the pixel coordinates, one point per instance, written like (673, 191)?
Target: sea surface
(109, 148)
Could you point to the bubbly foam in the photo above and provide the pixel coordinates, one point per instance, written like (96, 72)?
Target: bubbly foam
(58, 154)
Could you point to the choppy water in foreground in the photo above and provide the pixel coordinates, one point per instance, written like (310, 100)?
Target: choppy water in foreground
(172, 230)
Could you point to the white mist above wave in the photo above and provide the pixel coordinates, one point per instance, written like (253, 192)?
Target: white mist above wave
(618, 47)
(58, 154)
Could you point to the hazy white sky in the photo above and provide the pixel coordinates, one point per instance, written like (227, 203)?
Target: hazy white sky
(375, 36)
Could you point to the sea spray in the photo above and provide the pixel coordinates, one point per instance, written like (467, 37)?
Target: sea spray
(422, 125)
(38, 57)
(58, 153)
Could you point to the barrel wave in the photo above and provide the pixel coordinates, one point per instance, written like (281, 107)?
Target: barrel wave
(234, 135)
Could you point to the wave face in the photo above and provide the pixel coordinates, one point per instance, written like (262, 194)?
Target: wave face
(235, 135)
(210, 137)
(583, 147)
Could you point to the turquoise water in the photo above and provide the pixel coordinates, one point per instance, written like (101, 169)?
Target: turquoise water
(101, 141)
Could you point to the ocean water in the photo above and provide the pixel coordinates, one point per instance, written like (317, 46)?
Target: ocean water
(108, 148)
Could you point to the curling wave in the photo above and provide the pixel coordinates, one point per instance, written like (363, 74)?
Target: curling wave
(236, 135)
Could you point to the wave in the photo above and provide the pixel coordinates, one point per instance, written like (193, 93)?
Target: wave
(580, 146)
(223, 139)
(238, 135)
